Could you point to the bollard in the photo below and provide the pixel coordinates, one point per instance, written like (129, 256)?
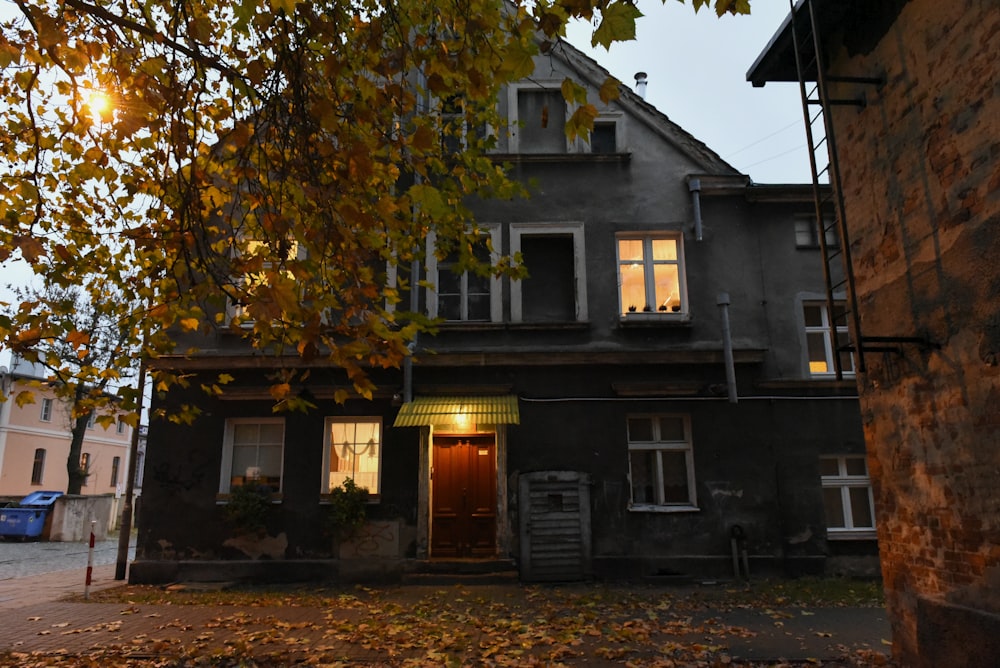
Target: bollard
(90, 562)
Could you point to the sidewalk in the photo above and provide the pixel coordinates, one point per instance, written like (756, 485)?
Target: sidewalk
(38, 619)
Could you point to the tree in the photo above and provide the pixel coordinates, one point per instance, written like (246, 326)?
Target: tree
(84, 346)
(264, 167)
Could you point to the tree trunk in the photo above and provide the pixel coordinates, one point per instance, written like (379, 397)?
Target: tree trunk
(77, 475)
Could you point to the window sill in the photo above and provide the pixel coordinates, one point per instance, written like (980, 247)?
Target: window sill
(648, 319)
(560, 157)
(650, 508)
(552, 325)
(373, 499)
(867, 534)
(223, 499)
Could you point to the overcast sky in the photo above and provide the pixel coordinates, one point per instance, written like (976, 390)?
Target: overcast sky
(697, 66)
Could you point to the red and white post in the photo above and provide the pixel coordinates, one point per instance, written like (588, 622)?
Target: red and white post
(90, 561)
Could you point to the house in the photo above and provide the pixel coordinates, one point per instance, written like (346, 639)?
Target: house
(35, 440)
(908, 90)
(656, 400)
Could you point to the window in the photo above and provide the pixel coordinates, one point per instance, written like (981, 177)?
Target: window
(253, 453)
(121, 426)
(247, 284)
(538, 118)
(38, 467)
(661, 462)
(847, 497)
(46, 415)
(85, 462)
(608, 135)
(819, 350)
(353, 450)
(459, 129)
(92, 420)
(465, 296)
(556, 287)
(807, 236)
(651, 274)
(115, 465)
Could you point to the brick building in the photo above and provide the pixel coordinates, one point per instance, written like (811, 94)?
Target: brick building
(911, 97)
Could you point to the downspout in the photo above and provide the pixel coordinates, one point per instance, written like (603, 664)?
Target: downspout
(694, 185)
(727, 345)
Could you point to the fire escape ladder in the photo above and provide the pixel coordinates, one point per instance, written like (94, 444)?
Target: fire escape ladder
(834, 242)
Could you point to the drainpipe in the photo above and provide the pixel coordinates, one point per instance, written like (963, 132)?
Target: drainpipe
(694, 185)
(727, 344)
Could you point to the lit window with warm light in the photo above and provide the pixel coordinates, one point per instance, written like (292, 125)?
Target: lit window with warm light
(818, 323)
(651, 275)
(353, 451)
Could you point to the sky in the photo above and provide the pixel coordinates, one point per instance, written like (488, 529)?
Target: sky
(697, 65)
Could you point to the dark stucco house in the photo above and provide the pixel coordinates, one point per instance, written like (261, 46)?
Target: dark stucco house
(662, 397)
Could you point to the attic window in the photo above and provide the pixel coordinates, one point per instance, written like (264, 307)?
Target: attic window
(603, 139)
(541, 121)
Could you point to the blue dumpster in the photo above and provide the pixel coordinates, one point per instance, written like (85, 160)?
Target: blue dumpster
(28, 519)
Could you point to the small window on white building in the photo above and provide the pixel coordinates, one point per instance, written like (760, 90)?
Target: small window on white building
(38, 466)
(661, 463)
(253, 453)
(847, 497)
(46, 414)
(353, 450)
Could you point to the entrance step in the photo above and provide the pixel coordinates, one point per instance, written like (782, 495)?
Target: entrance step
(462, 571)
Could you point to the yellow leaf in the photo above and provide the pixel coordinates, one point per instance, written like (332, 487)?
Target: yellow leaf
(24, 398)
(189, 324)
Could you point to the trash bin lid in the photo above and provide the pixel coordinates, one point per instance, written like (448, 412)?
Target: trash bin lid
(40, 499)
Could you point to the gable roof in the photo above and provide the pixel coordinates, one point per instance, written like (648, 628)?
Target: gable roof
(590, 72)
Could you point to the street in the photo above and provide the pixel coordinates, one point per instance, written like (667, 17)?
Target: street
(20, 559)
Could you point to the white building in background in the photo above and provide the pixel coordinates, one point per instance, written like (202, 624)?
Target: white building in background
(35, 441)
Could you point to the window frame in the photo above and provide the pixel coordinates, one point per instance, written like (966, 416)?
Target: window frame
(572, 229)
(236, 310)
(513, 115)
(373, 496)
(808, 301)
(493, 230)
(38, 466)
(226, 464)
(649, 278)
(616, 118)
(116, 463)
(846, 482)
(805, 226)
(659, 446)
(45, 414)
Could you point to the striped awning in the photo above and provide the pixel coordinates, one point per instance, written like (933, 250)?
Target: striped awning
(459, 411)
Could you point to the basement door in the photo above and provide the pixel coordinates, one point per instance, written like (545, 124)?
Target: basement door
(463, 514)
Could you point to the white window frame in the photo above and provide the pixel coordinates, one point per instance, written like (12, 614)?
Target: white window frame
(373, 494)
(575, 230)
(824, 329)
(807, 234)
(493, 230)
(46, 413)
(92, 420)
(617, 118)
(649, 275)
(513, 91)
(659, 446)
(226, 468)
(845, 483)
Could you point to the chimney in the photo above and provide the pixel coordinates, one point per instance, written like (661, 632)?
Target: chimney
(640, 84)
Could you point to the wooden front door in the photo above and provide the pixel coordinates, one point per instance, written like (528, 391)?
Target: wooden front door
(463, 521)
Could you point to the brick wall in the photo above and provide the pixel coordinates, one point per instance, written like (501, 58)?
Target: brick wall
(921, 170)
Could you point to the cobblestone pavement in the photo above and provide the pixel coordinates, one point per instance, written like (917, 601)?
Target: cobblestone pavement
(20, 559)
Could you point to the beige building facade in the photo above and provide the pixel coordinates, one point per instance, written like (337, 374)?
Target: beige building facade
(35, 441)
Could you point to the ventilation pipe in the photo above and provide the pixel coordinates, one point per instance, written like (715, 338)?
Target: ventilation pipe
(640, 84)
(694, 185)
(727, 346)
